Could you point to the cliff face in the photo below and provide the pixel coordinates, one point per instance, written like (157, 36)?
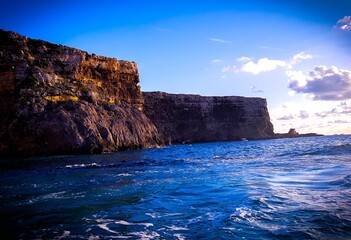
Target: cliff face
(60, 100)
(56, 99)
(193, 118)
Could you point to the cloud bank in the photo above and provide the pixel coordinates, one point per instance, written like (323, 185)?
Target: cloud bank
(323, 83)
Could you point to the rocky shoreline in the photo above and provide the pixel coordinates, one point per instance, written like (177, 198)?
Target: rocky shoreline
(59, 100)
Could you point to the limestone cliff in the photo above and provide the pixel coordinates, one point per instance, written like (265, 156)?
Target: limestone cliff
(55, 100)
(194, 118)
(60, 100)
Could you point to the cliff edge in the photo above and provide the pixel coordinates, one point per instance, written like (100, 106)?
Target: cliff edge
(193, 118)
(59, 100)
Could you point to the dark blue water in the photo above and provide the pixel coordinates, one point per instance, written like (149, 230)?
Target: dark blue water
(273, 189)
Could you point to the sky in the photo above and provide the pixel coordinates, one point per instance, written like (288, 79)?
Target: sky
(294, 53)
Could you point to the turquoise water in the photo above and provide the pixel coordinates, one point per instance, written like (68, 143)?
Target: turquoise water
(273, 189)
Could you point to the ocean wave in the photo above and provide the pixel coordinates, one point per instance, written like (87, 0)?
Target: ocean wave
(79, 166)
(338, 149)
(345, 181)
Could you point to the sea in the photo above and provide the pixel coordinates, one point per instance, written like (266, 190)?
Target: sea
(297, 188)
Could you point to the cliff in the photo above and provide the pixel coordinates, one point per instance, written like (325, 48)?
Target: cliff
(194, 118)
(60, 100)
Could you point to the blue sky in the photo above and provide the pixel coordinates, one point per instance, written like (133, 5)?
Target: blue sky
(296, 54)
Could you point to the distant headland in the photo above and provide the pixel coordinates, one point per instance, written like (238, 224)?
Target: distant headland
(60, 100)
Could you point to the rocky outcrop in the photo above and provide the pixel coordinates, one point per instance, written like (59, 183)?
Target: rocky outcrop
(294, 134)
(59, 100)
(194, 118)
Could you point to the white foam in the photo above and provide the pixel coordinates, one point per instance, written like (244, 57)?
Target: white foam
(104, 220)
(158, 215)
(179, 236)
(242, 213)
(121, 222)
(92, 237)
(65, 234)
(82, 165)
(145, 235)
(175, 228)
(55, 195)
(124, 175)
(105, 227)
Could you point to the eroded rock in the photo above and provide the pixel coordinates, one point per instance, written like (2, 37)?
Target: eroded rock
(60, 100)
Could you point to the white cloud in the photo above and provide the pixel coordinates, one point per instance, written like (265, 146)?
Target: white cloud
(243, 59)
(262, 65)
(298, 76)
(323, 83)
(215, 61)
(220, 40)
(267, 65)
(299, 57)
(344, 24)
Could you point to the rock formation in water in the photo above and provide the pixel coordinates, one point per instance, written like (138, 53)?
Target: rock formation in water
(294, 134)
(194, 118)
(60, 100)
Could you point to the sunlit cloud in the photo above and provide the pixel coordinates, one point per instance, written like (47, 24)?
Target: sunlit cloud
(299, 57)
(344, 24)
(262, 65)
(323, 83)
(219, 40)
(243, 59)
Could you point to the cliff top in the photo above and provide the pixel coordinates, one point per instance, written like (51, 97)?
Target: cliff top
(161, 93)
(7, 38)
